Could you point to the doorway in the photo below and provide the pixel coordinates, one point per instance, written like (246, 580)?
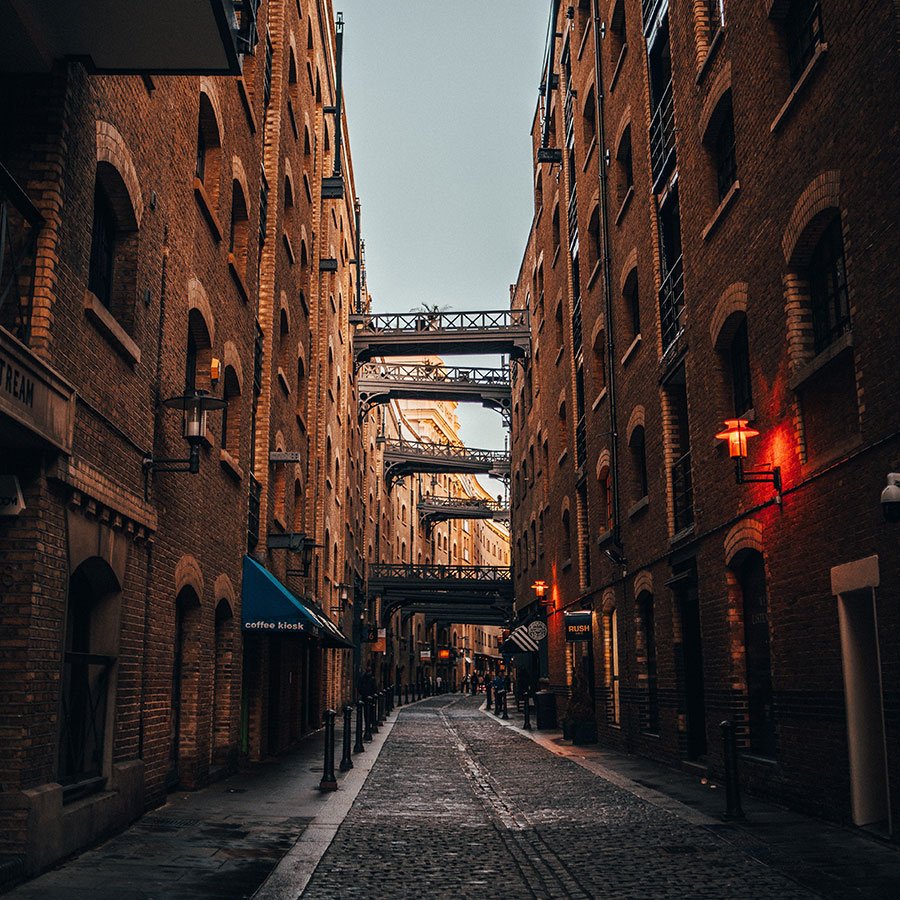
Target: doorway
(860, 655)
(692, 668)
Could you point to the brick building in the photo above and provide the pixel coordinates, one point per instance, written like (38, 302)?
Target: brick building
(707, 245)
(167, 234)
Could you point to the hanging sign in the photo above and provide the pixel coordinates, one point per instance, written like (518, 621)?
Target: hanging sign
(424, 656)
(380, 646)
(578, 626)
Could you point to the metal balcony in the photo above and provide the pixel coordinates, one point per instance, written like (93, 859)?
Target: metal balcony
(439, 509)
(403, 458)
(442, 334)
(671, 303)
(20, 222)
(382, 382)
(128, 36)
(662, 137)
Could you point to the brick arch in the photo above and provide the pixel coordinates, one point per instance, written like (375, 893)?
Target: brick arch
(230, 357)
(635, 420)
(608, 603)
(709, 118)
(604, 461)
(240, 176)
(284, 307)
(821, 194)
(630, 265)
(643, 583)
(188, 573)
(624, 122)
(279, 440)
(289, 178)
(223, 589)
(725, 317)
(599, 326)
(112, 149)
(198, 300)
(208, 87)
(561, 400)
(746, 535)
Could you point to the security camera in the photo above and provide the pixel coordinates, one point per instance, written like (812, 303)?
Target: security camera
(890, 498)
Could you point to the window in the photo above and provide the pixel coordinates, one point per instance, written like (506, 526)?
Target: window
(284, 348)
(231, 414)
(637, 446)
(566, 537)
(618, 38)
(611, 653)
(198, 355)
(538, 194)
(589, 118)
(675, 410)
(739, 357)
(238, 232)
(723, 149)
(624, 165)
(557, 237)
(113, 260)
(605, 499)
(648, 622)
(803, 33)
(209, 150)
(715, 15)
(632, 304)
(671, 292)
(595, 247)
(600, 359)
(829, 301)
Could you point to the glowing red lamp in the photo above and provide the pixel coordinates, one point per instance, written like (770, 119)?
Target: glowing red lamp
(737, 433)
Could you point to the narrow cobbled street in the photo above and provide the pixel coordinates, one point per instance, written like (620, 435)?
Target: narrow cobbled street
(460, 806)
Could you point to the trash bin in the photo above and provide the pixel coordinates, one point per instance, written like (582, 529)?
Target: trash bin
(545, 710)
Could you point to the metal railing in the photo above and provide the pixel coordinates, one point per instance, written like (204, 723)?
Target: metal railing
(438, 572)
(436, 374)
(650, 14)
(581, 442)
(83, 716)
(405, 322)
(246, 13)
(439, 503)
(662, 135)
(683, 493)
(671, 303)
(577, 326)
(253, 512)
(20, 222)
(431, 450)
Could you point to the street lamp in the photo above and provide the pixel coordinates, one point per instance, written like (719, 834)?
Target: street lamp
(540, 589)
(736, 433)
(194, 407)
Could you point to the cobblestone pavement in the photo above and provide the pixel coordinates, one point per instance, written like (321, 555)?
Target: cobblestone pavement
(458, 806)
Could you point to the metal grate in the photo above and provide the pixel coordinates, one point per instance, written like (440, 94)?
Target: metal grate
(683, 493)
(662, 135)
(671, 303)
(253, 513)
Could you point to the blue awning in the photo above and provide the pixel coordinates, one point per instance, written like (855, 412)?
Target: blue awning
(268, 607)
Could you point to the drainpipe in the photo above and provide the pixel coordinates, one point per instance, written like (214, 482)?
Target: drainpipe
(607, 278)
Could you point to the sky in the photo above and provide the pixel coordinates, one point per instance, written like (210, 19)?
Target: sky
(440, 98)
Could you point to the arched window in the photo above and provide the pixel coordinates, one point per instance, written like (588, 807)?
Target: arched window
(721, 144)
(624, 166)
(739, 364)
(113, 261)
(638, 450)
(538, 193)
(617, 35)
(297, 522)
(605, 498)
(285, 351)
(566, 537)
(198, 355)
(599, 358)
(231, 414)
(222, 683)
(589, 118)
(208, 169)
(239, 231)
(829, 300)
(631, 300)
(557, 234)
(595, 245)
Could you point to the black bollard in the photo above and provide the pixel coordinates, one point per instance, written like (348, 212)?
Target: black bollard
(474, 687)
(527, 725)
(367, 711)
(389, 697)
(379, 708)
(346, 761)
(329, 782)
(733, 808)
(373, 715)
(359, 747)
(399, 693)
(487, 690)
(406, 689)
(505, 701)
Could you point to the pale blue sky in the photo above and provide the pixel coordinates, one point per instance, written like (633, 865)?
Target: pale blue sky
(440, 98)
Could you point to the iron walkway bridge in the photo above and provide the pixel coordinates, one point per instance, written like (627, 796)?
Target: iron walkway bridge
(382, 382)
(468, 595)
(403, 458)
(439, 509)
(441, 334)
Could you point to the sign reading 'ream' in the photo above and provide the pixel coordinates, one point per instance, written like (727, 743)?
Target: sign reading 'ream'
(578, 626)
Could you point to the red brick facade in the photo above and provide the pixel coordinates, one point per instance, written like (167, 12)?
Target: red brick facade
(716, 576)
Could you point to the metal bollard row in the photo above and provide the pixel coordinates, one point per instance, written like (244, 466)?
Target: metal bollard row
(329, 782)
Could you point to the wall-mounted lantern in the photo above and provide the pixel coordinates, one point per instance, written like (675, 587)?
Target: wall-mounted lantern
(194, 408)
(540, 590)
(295, 542)
(737, 433)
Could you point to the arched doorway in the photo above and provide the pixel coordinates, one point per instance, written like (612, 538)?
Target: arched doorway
(91, 646)
(749, 568)
(185, 690)
(222, 681)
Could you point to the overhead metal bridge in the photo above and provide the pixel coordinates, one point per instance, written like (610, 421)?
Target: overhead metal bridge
(441, 334)
(382, 382)
(465, 595)
(439, 509)
(403, 458)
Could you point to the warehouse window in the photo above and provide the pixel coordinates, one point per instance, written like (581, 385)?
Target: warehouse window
(829, 300)
(803, 34)
(231, 413)
(739, 357)
(209, 150)
(723, 147)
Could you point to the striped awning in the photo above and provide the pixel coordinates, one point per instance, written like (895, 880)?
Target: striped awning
(523, 641)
